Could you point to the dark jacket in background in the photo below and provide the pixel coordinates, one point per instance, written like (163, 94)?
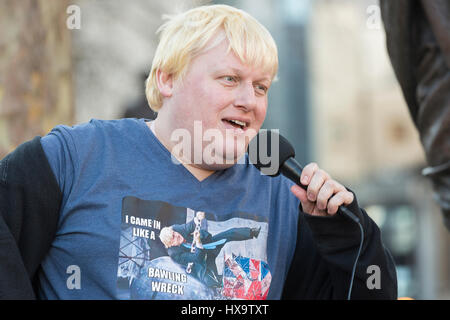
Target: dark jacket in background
(418, 43)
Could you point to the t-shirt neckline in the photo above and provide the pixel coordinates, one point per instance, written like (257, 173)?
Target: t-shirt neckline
(178, 166)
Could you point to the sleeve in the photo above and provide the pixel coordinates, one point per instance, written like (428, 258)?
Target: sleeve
(418, 44)
(325, 254)
(185, 229)
(70, 151)
(61, 151)
(30, 199)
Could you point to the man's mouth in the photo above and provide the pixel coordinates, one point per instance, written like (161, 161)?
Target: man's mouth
(238, 124)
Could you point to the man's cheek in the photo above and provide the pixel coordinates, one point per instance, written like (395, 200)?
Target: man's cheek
(262, 115)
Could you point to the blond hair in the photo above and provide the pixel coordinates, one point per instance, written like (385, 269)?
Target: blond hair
(186, 35)
(165, 235)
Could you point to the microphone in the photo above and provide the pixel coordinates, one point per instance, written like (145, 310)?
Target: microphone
(281, 160)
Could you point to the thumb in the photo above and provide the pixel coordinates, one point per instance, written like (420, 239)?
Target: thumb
(300, 193)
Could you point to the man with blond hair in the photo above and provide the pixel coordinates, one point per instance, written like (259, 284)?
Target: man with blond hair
(209, 83)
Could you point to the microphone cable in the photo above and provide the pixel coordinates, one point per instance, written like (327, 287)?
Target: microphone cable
(350, 215)
(356, 259)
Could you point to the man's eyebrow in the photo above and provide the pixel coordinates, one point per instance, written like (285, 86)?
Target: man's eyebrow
(264, 79)
(239, 73)
(227, 69)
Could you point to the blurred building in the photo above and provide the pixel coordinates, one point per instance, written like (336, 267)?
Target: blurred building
(36, 91)
(112, 50)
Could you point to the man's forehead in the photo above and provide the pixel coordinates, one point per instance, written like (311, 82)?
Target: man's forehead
(222, 58)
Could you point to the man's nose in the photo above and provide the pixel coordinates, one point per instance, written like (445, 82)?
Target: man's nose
(245, 97)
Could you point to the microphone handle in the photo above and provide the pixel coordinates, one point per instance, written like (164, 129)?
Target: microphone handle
(292, 169)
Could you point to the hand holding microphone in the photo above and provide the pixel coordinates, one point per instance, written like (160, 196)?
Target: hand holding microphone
(318, 193)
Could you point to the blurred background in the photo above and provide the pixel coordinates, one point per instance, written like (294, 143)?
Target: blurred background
(337, 100)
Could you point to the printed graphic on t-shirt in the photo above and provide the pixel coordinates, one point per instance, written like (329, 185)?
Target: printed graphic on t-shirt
(169, 252)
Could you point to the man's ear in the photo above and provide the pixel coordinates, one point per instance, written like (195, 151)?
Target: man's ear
(165, 83)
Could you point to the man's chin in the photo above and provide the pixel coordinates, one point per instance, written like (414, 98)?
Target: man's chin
(221, 163)
(215, 167)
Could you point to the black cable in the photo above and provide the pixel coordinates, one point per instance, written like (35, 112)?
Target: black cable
(356, 259)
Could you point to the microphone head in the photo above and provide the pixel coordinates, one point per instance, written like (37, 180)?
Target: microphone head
(268, 151)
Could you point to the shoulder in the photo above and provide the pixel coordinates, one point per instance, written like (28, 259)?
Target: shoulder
(68, 147)
(90, 134)
(95, 126)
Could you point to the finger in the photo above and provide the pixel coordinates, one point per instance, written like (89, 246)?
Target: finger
(307, 206)
(308, 172)
(325, 193)
(343, 197)
(299, 193)
(328, 189)
(318, 212)
(317, 180)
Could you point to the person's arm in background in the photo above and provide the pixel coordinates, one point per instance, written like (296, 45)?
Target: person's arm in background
(418, 44)
(30, 200)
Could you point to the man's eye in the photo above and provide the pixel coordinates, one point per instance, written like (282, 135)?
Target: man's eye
(261, 89)
(229, 78)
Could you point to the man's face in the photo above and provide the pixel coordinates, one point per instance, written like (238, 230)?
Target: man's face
(176, 240)
(216, 91)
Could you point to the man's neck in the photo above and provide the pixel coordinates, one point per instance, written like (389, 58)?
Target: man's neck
(199, 173)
